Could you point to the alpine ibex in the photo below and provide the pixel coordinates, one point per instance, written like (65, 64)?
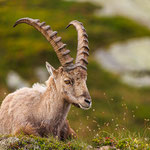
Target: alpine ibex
(42, 110)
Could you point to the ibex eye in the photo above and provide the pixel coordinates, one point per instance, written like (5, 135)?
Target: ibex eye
(67, 81)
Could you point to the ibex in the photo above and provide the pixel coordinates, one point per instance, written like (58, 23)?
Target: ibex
(42, 110)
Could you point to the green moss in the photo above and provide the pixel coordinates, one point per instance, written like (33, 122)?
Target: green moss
(123, 140)
(31, 142)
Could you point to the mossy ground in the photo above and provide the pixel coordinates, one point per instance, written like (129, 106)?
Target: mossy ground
(122, 140)
(119, 140)
(31, 142)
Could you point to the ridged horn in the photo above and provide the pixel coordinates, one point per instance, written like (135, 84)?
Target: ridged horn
(60, 48)
(82, 49)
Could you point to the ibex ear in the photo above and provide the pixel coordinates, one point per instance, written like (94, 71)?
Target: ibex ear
(50, 69)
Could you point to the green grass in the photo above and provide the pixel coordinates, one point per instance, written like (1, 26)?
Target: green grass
(113, 103)
(117, 140)
(31, 142)
(122, 140)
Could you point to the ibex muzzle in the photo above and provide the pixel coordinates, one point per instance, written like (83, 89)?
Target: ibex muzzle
(42, 110)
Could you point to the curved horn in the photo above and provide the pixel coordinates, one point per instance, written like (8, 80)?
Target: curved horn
(83, 49)
(62, 53)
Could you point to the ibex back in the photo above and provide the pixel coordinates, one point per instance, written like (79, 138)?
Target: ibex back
(42, 110)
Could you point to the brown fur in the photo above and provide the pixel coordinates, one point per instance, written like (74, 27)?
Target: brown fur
(42, 111)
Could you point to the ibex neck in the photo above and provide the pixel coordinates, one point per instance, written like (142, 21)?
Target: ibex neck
(55, 108)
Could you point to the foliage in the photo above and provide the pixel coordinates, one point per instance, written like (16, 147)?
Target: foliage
(119, 140)
(23, 46)
(31, 142)
(122, 141)
(114, 105)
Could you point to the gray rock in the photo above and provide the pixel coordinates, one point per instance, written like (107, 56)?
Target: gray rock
(6, 142)
(107, 148)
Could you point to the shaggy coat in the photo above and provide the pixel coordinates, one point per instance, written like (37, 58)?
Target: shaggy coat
(42, 110)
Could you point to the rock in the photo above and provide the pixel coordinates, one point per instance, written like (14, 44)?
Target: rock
(128, 59)
(6, 142)
(41, 74)
(107, 148)
(89, 147)
(138, 10)
(15, 81)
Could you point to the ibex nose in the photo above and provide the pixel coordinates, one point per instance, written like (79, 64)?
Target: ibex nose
(87, 101)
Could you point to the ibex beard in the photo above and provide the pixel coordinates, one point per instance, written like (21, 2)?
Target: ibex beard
(42, 110)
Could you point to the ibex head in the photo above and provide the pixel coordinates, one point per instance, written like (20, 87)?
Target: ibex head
(70, 79)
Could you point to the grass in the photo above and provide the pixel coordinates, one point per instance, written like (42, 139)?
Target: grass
(113, 103)
(122, 140)
(31, 142)
(117, 140)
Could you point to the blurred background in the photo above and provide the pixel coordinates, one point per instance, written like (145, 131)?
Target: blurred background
(119, 63)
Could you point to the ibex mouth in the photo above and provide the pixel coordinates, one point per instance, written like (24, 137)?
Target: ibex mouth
(85, 107)
(81, 106)
(77, 105)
